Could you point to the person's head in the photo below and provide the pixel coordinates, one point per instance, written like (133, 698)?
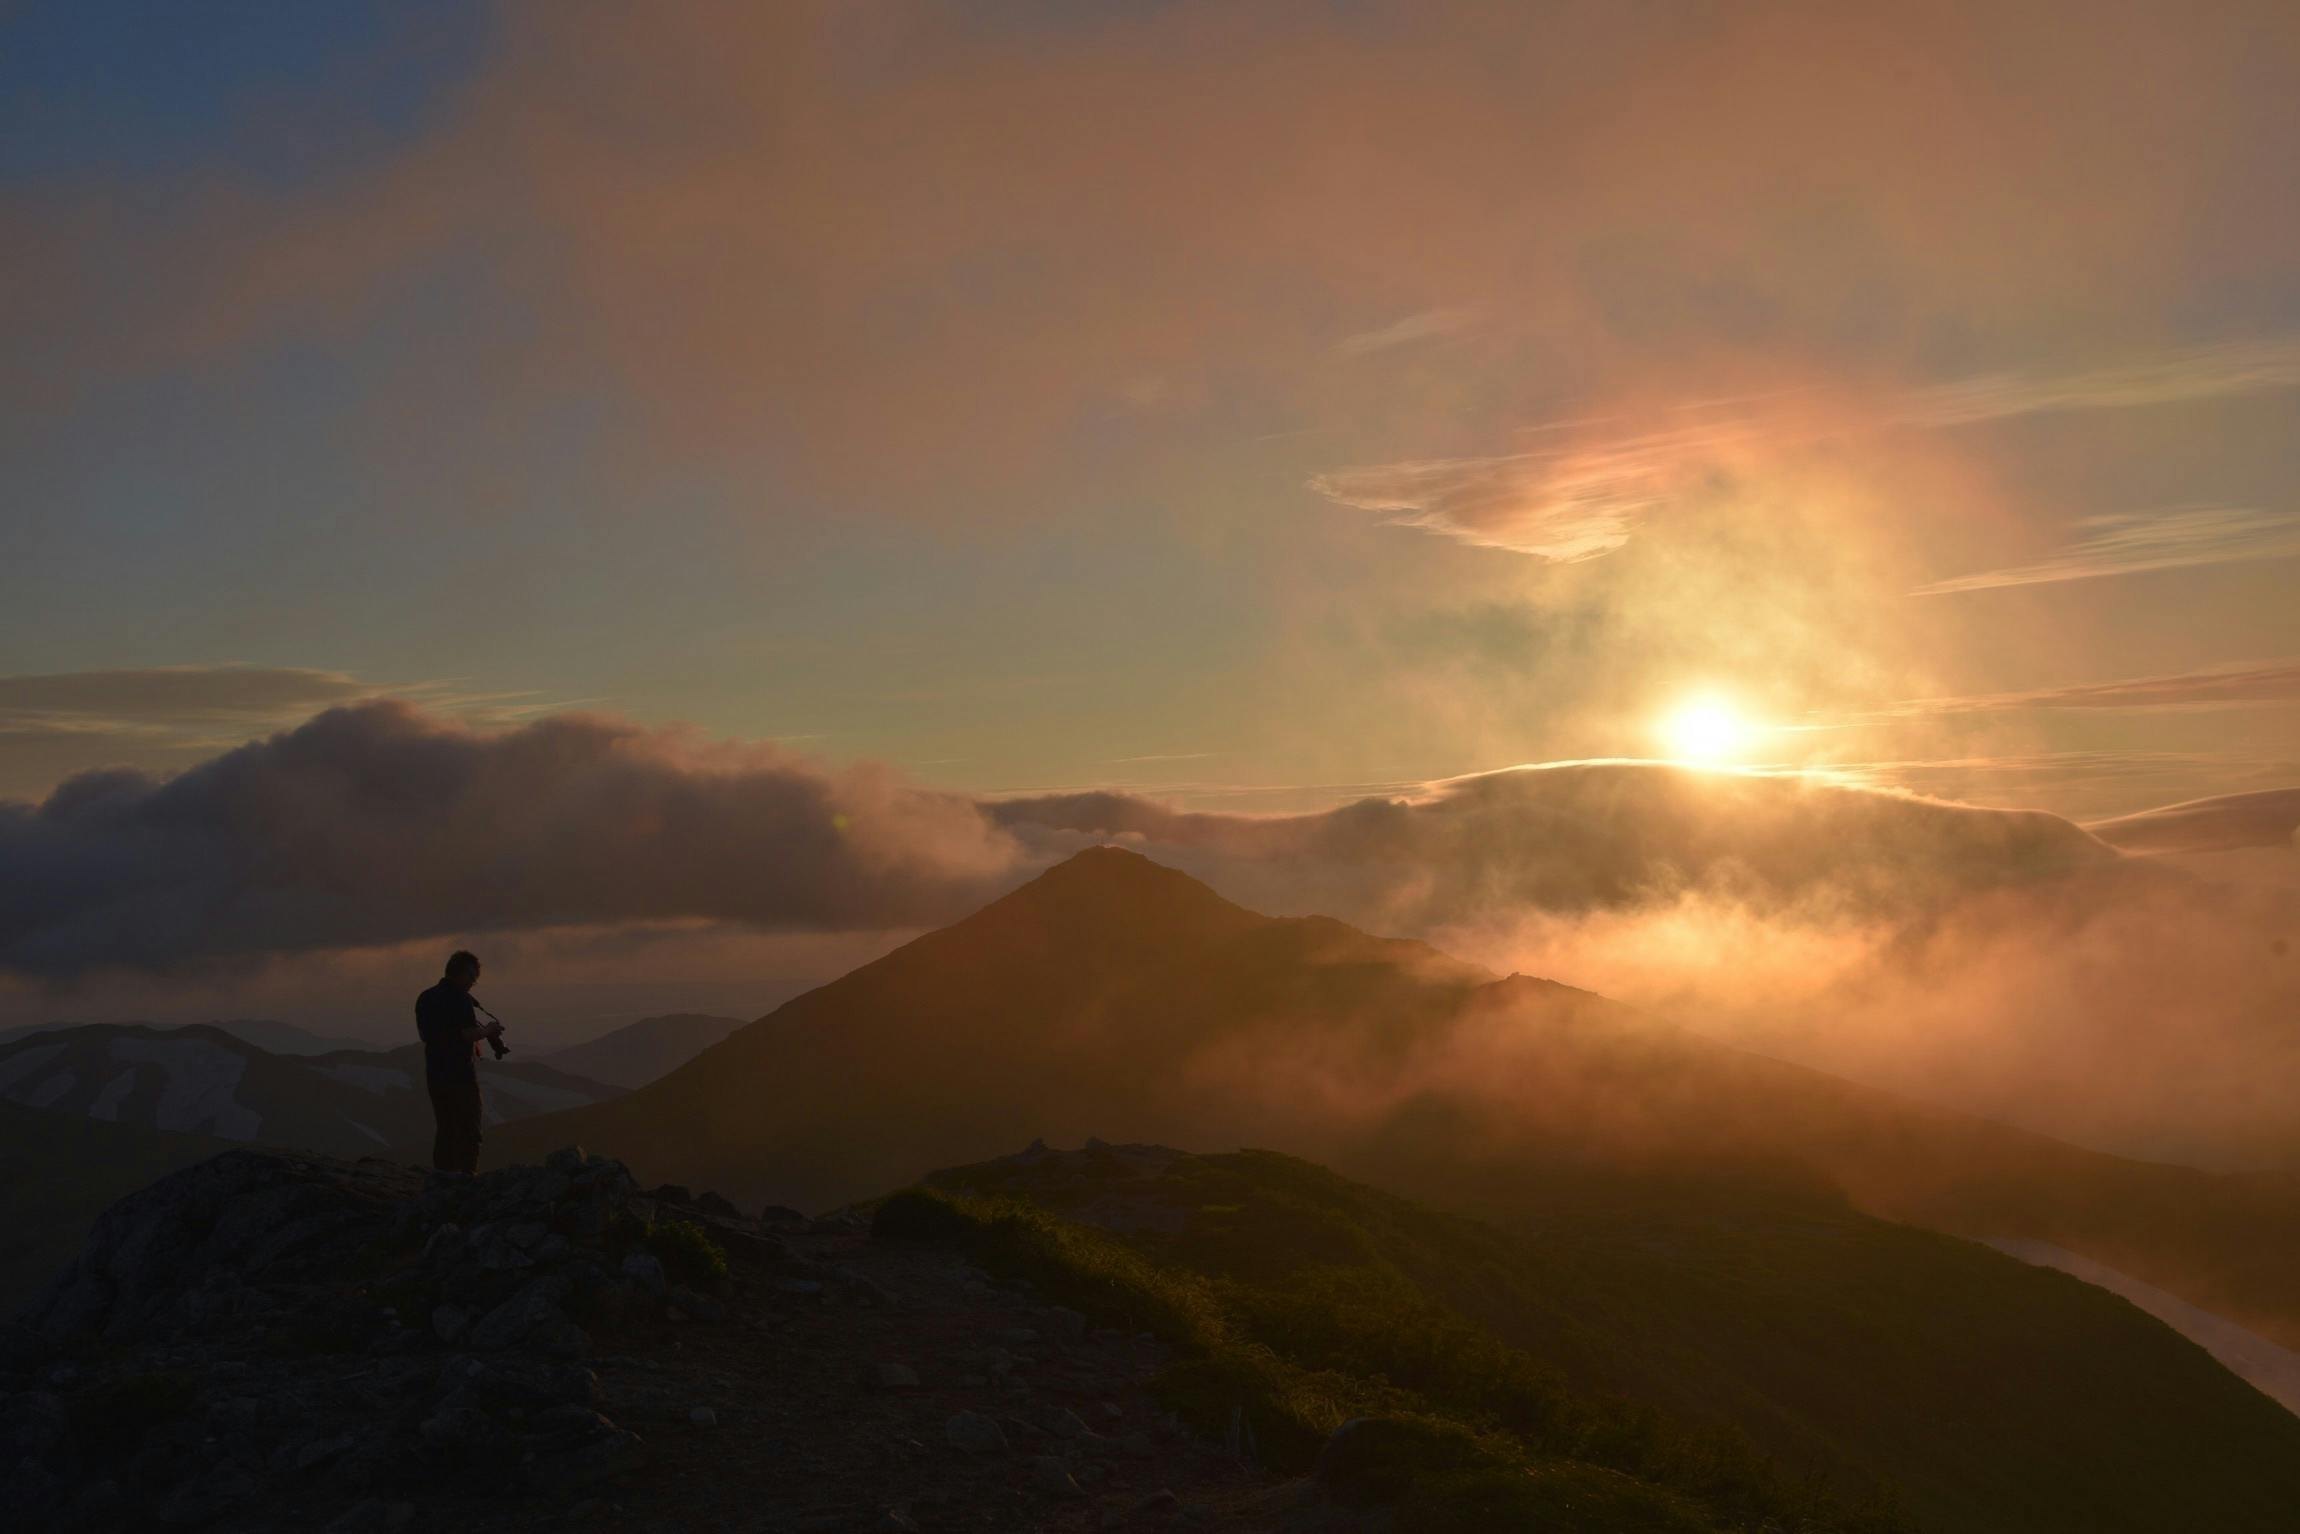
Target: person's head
(463, 968)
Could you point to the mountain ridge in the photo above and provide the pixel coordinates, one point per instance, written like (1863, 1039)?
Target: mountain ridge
(637, 1053)
(1111, 995)
(201, 1079)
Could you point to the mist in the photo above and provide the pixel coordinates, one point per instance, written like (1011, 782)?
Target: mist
(2006, 962)
(2008, 965)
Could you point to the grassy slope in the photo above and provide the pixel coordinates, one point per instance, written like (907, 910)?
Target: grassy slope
(58, 1171)
(1992, 1396)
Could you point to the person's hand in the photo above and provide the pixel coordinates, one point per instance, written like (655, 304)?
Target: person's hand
(493, 1030)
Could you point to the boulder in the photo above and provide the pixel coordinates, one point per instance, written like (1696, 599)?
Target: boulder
(644, 1270)
(701, 1306)
(533, 1309)
(974, 1433)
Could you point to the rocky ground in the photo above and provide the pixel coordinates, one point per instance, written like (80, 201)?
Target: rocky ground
(274, 1342)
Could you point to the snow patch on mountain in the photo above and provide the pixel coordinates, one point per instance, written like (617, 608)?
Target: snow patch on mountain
(198, 1091)
(106, 1103)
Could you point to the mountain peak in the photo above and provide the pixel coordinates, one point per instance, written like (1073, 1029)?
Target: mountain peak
(1106, 895)
(1107, 873)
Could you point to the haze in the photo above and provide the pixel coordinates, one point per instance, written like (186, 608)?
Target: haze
(747, 481)
(1682, 614)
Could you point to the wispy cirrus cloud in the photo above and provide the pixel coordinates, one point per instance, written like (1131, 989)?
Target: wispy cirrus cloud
(2173, 377)
(1587, 499)
(2247, 684)
(2085, 785)
(1427, 325)
(1530, 504)
(2129, 543)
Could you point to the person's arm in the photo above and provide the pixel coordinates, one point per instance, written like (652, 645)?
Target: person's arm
(435, 1018)
(473, 1029)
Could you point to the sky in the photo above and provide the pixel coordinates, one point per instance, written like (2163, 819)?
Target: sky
(1251, 408)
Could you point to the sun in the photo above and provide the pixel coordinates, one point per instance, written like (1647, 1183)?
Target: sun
(1707, 730)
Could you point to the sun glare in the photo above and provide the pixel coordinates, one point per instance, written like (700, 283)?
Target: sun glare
(1707, 730)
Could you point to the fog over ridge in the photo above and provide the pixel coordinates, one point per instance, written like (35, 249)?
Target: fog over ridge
(381, 821)
(2007, 961)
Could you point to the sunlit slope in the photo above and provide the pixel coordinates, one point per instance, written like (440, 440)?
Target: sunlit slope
(1991, 1395)
(1115, 997)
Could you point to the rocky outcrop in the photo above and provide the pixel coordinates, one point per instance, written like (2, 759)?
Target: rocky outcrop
(356, 1330)
(273, 1343)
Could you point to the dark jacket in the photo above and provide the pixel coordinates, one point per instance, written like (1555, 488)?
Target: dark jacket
(441, 1016)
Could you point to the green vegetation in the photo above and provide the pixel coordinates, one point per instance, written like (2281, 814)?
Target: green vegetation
(1722, 1350)
(688, 1255)
(1470, 1432)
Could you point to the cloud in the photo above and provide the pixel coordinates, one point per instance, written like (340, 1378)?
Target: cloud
(2088, 783)
(2012, 965)
(376, 822)
(53, 723)
(1587, 498)
(168, 698)
(1531, 505)
(1965, 953)
(2131, 543)
(1580, 837)
(901, 241)
(2173, 377)
(379, 823)
(1428, 325)
(2269, 818)
(2241, 685)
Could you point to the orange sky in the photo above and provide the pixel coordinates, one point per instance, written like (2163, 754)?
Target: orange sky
(1249, 405)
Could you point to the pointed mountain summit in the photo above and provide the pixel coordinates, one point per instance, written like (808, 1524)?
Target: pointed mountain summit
(1115, 997)
(1110, 993)
(1108, 895)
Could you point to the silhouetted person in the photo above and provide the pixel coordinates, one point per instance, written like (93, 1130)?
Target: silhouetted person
(449, 1021)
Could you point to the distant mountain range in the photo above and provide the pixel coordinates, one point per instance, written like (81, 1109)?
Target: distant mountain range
(638, 1053)
(203, 1080)
(264, 1033)
(1114, 996)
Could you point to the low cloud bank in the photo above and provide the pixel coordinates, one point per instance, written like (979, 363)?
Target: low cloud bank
(2010, 964)
(2226, 823)
(2005, 961)
(1588, 837)
(379, 822)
